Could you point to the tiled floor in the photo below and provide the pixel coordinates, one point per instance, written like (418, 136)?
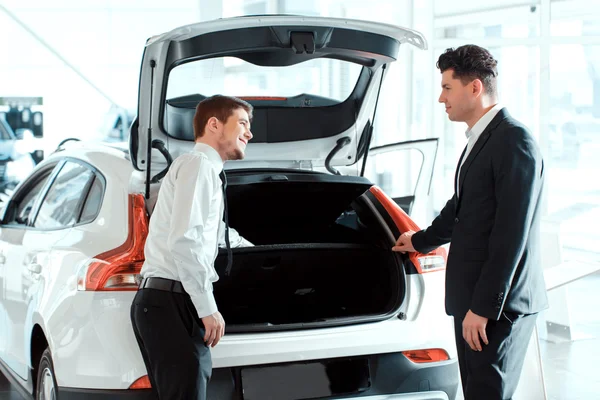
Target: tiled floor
(571, 369)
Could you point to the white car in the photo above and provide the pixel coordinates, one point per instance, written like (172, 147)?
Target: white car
(320, 307)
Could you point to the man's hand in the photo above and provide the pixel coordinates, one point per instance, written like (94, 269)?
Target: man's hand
(215, 328)
(404, 243)
(473, 327)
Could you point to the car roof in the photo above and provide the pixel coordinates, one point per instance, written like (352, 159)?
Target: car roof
(99, 155)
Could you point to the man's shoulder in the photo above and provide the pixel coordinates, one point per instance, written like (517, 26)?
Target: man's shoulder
(195, 162)
(512, 134)
(513, 128)
(192, 159)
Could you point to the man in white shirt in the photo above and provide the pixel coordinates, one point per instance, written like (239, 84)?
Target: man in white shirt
(494, 279)
(174, 314)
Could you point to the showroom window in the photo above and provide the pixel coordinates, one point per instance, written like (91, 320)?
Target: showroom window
(574, 18)
(520, 21)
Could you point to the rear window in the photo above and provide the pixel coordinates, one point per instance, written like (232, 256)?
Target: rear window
(316, 82)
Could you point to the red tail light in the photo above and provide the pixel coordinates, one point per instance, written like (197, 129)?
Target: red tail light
(117, 269)
(142, 383)
(426, 356)
(434, 261)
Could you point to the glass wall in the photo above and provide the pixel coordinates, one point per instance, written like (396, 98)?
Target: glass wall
(81, 59)
(573, 145)
(549, 79)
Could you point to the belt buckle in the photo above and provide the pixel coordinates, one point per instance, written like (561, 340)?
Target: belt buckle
(142, 282)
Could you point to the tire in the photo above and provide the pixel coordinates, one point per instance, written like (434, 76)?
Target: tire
(46, 388)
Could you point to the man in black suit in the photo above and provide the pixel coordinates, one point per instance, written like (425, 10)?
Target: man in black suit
(494, 279)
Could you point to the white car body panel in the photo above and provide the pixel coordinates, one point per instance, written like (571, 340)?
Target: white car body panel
(403, 35)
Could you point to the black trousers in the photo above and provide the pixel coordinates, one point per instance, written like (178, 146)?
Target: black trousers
(171, 338)
(494, 372)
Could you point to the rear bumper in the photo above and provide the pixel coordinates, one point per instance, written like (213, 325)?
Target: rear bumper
(410, 396)
(147, 395)
(85, 394)
(392, 377)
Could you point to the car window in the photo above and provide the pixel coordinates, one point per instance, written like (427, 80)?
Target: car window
(93, 202)
(319, 78)
(61, 205)
(25, 205)
(4, 135)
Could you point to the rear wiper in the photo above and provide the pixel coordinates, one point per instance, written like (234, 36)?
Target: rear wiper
(342, 142)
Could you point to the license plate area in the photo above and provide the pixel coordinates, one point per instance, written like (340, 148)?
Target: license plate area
(309, 380)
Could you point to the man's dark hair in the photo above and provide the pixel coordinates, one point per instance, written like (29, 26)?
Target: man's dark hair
(219, 106)
(470, 62)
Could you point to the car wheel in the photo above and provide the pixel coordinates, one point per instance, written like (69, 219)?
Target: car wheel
(46, 379)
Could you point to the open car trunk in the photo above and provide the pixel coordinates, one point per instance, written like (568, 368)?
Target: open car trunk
(321, 257)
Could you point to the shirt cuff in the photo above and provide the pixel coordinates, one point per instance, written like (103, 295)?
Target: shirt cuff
(205, 304)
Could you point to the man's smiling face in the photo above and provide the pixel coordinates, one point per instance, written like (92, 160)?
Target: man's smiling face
(235, 135)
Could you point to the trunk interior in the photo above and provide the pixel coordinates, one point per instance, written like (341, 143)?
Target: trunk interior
(321, 256)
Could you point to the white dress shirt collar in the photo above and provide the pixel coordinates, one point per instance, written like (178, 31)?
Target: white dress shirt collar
(483, 122)
(213, 155)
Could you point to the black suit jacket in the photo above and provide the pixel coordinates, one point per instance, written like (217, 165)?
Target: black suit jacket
(494, 262)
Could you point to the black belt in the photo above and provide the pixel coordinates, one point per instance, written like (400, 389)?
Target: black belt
(168, 285)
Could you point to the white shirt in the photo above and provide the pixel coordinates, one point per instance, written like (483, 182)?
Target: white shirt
(187, 226)
(475, 132)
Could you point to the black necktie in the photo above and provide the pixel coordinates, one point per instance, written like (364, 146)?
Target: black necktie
(457, 173)
(226, 219)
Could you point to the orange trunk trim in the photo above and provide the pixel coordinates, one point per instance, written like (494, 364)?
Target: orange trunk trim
(404, 223)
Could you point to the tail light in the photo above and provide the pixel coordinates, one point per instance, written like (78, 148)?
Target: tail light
(119, 268)
(426, 356)
(431, 263)
(434, 261)
(141, 383)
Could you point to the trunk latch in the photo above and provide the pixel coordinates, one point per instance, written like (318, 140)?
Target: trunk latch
(302, 42)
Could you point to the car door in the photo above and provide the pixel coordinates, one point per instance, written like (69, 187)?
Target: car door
(57, 211)
(404, 172)
(13, 226)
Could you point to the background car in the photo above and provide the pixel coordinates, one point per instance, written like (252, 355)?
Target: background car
(320, 307)
(7, 145)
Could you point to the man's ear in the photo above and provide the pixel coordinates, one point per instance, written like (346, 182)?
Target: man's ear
(213, 124)
(477, 87)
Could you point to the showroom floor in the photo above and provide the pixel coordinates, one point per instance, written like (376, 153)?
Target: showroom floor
(570, 368)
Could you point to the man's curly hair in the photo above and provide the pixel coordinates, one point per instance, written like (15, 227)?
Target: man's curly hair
(470, 62)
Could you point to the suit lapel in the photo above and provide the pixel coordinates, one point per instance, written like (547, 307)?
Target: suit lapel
(483, 138)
